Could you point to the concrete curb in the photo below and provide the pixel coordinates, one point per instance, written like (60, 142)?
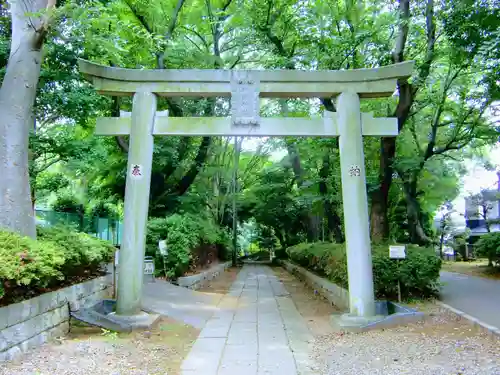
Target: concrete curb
(335, 294)
(201, 279)
(482, 326)
(339, 297)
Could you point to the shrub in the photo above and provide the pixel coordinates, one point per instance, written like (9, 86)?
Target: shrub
(58, 256)
(224, 244)
(489, 246)
(67, 203)
(24, 261)
(418, 273)
(83, 253)
(183, 233)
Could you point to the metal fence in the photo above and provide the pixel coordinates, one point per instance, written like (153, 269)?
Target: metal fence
(108, 229)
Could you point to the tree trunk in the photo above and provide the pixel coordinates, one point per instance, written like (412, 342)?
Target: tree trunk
(196, 167)
(413, 210)
(490, 260)
(298, 171)
(17, 97)
(441, 241)
(379, 223)
(379, 220)
(334, 224)
(407, 92)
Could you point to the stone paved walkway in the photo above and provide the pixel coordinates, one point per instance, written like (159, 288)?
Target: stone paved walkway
(256, 330)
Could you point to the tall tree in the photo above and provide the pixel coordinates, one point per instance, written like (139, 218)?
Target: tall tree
(407, 92)
(17, 97)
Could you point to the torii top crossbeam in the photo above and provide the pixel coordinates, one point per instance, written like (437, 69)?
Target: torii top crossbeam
(367, 83)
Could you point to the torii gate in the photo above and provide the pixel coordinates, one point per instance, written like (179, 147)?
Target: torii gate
(245, 88)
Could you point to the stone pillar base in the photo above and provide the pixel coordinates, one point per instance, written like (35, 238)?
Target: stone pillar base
(142, 320)
(353, 323)
(389, 315)
(102, 314)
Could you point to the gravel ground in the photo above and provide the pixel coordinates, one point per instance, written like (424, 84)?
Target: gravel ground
(90, 351)
(222, 283)
(441, 345)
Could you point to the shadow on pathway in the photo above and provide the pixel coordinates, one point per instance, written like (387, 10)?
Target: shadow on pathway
(181, 304)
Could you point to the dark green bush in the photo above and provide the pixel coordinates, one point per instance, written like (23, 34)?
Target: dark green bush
(24, 261)
(183, 233)
(418, 273)
(83, 253)
(489, 246)
(59, 256)
(224, 244)
(67, 203)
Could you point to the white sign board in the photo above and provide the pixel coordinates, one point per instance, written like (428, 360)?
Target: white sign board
(162, 245)
(397, 252)
(117, 254)
(149, 267)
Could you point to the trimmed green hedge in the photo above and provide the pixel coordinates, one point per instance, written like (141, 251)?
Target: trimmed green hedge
(58, 257)
(418, 273)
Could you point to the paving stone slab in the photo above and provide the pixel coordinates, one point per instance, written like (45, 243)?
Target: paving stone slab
(246, 352)
(215, 328)
(256, 329)
(238, 368)
(204, 355)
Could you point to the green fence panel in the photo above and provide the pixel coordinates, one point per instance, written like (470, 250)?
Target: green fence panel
(108, 229)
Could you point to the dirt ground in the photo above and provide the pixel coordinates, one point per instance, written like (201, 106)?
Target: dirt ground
(91, 350)
(222, 283)
(473, 268)
(313, 307)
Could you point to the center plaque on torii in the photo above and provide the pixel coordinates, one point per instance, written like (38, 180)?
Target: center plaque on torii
(245, 88)
(245, 99)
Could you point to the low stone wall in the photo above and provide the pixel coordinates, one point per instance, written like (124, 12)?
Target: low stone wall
(336, 295)
(201, 279)
(32, 322)
(339, 297)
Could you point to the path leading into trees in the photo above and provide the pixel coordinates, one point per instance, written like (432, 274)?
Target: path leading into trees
(476, 296)
(256, 330)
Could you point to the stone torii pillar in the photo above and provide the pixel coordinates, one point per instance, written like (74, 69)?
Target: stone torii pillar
(355, 203)
(245, 88)
(138, 181)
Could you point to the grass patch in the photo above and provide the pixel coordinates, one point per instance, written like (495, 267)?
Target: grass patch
(478, 268)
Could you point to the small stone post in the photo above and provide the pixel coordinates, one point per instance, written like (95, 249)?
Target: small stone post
(140, 157)
(355, 202)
